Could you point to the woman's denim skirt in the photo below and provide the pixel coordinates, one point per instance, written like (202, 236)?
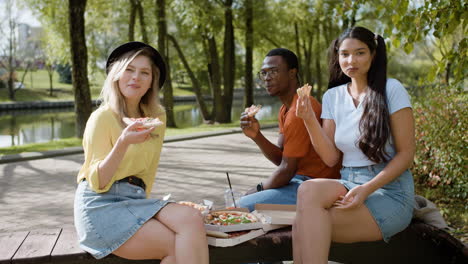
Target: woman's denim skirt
(105, 221)
(392, 205)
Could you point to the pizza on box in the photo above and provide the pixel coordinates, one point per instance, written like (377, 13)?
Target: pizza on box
(147, 122)
(230, 218)
(304, 90)
(200, 207)
(253, 110)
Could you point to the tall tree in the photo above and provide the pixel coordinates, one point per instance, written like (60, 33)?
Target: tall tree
(214, 69)
(141, 16)
(79, 55)
(132, 19)
(249, 31)
(229, 63)
(10, 49)
(195, 83)
(162, 41)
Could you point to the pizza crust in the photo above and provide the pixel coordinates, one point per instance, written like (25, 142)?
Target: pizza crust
(304, 90)
(147, 122)
(253, 110)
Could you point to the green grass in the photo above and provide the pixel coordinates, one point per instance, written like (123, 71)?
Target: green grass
(74, 142)
(37, 147)
(38, 88)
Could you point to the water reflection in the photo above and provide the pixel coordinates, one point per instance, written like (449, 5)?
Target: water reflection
(34, 126)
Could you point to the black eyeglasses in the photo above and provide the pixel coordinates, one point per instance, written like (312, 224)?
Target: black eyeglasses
(262, 75)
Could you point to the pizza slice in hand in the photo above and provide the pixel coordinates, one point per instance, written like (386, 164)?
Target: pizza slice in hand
(253, 110)
(304, 90)
(147, 122)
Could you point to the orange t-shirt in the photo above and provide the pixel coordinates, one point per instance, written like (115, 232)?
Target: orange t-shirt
(297, 144)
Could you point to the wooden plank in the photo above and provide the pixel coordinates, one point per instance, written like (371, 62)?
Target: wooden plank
(67, 247)
(9, 244)
(37, 247)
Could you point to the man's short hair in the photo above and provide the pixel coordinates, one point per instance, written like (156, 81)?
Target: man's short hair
(288, 56)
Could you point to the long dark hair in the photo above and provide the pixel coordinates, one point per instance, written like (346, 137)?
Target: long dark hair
(374, 125)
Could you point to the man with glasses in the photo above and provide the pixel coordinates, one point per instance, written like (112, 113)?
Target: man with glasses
(294, 154)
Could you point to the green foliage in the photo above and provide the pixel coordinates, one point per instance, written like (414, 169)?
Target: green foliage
(65, 75)
(444, 23)
(442, 143)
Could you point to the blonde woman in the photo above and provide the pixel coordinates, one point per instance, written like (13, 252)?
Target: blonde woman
(113, 214)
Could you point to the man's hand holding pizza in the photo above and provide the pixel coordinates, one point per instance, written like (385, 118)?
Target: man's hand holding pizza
(249, 124)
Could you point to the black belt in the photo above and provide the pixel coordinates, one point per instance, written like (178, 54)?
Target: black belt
(135, 181)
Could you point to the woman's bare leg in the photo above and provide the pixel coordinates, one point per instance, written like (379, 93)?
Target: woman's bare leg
(152, 241)
(313, 222)
(175, 235)
(191, 245)
(318, 223)
(296, 245)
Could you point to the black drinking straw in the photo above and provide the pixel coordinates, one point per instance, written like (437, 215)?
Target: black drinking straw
(230, 187)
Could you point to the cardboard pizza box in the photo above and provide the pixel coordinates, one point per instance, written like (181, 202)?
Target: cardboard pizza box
(229, 242)
(276, 214)
(237, 227)
(271, 217)
(232, 241)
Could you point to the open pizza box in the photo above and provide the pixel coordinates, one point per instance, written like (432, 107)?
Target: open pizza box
(270, 216)
(276, 214)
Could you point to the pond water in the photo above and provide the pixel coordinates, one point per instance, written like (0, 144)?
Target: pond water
(21, 127)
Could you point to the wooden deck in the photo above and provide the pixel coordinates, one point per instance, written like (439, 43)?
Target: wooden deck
(419, 243)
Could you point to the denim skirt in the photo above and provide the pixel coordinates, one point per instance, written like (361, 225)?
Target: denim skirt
(105, 221)
(392, 205)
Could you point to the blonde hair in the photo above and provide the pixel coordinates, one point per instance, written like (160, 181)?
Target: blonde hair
(150, 105)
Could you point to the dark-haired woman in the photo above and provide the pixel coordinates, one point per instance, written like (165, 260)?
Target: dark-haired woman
(368, 118)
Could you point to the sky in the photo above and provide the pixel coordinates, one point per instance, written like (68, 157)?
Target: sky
(25, 15)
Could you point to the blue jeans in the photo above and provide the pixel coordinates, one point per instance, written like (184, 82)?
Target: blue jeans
(283, 195)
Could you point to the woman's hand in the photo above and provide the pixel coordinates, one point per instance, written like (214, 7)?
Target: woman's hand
(354, 198)
(304, 108)
(130, 135)
(249, 125)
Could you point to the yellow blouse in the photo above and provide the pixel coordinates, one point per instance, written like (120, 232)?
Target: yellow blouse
(141, 160)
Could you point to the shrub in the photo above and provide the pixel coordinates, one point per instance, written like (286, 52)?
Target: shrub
(65, 74)
(440, 169)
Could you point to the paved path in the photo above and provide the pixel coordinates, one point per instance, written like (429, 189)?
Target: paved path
(39, 193)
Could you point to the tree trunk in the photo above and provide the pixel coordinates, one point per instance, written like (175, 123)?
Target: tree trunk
(307, 74)
(168, 100)
(50, 72)
(299, 56)
(195, 83)
(318, 68)
(11, 53)
(25, 72)
(447, 73)
(229, 63)
(79, 56)
(141, 15)
(215, 77)
(249, 89)
(131, 22)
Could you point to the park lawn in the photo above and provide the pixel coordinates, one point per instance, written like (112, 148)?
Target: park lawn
(37, 88)
(76, 142)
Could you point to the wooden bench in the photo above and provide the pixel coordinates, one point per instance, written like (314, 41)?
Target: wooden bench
(419, 243)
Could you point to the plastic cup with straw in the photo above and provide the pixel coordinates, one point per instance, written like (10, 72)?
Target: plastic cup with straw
(230, 188)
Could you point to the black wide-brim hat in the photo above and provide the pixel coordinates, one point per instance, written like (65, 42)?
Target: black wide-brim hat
(135, 45)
